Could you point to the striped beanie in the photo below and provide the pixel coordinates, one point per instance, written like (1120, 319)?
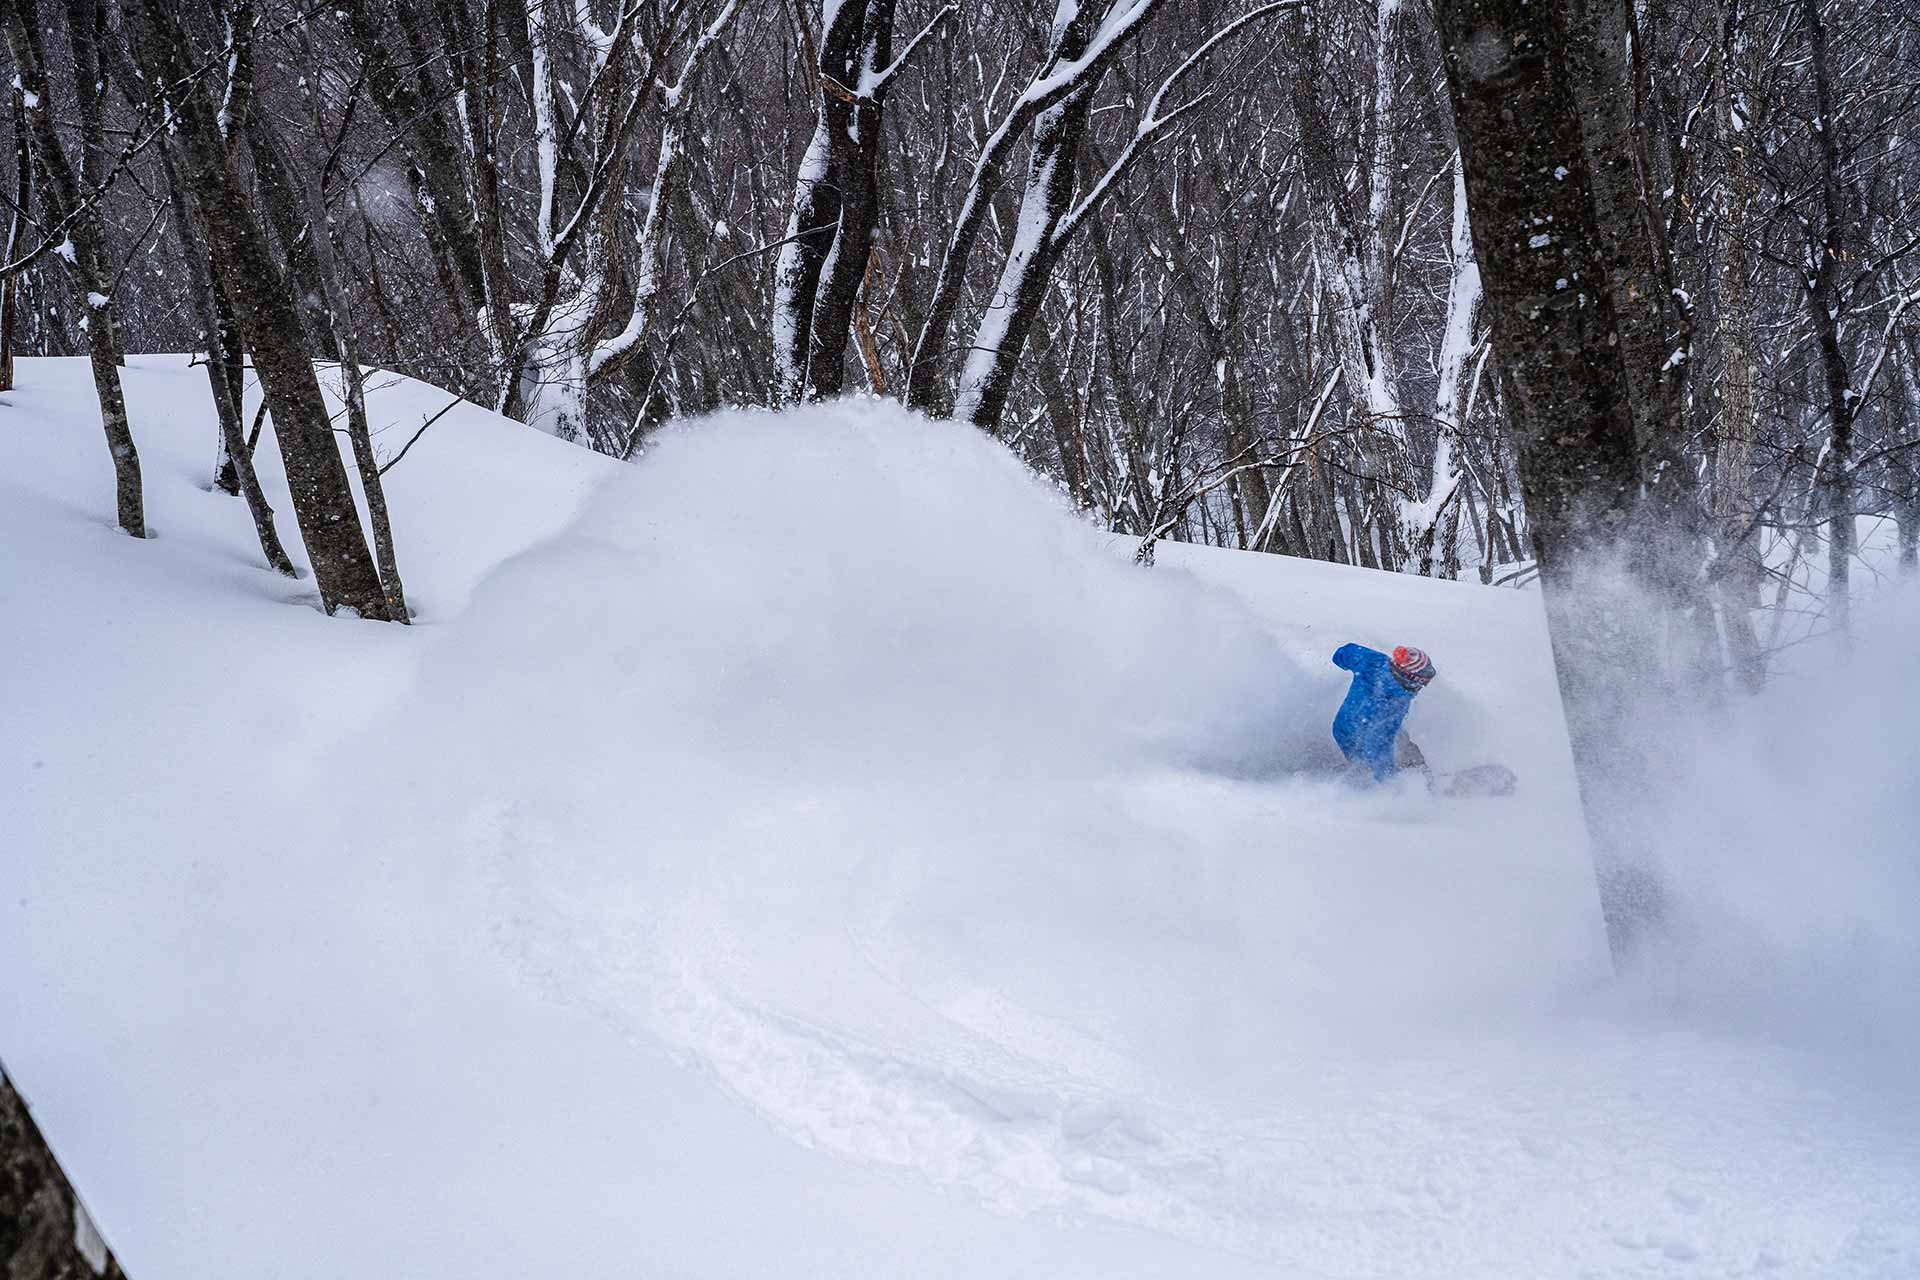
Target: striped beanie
(1412, 668)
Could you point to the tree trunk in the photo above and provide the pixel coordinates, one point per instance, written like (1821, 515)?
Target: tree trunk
(835, 205)
(1738, 569)
(1444, 497)
(1906, 466)
(855, 159)
(226, 373)
(298, 213)
(85, 254)
(993, 357)
(45, 1232)
(322, 499)
(1549, 300)
(1823, 305)
(1063, 422)
(1134, 507)
(327, 261)
(926, 384)
(16, 234)
(1655, 341)
(86, 27)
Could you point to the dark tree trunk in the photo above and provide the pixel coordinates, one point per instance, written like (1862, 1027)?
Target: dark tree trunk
(1063, 422)
(298, 214)
(322, 499)
(854, 151)
(1133, 509)
(987, 377)
(835, 208)
(86, 27)
(1905, 465)
(927, 378)
(1655, 333)
(226, 364)
(446, 211)
(1548, 294)
(1738, 569)
(16, 235)
(88, 267)
(45, 1232)
(226, 373)
(1823, 305)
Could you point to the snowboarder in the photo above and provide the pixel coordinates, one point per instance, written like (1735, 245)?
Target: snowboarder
(1368, 725)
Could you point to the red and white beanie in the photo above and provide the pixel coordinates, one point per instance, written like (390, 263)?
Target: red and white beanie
(1412, 667)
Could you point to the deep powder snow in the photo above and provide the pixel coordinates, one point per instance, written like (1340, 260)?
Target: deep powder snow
(813, 851)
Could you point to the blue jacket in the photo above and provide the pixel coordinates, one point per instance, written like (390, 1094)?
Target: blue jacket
(1369, 720)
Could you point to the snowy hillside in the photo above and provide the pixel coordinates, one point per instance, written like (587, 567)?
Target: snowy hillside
(812, 852)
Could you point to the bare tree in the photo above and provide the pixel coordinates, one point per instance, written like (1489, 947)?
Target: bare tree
(823, 260)
(259, 286)
(1216, 292)
(1049, 214)
(70, 195)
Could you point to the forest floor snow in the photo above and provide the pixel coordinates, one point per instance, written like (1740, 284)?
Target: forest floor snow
(813, 852)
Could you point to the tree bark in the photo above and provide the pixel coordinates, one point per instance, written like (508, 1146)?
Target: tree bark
(1738, 569)
(298, 213)
(86, 27)
(1906, 465)
(1655, 338)
(226, 372)
(927, 387)
(16, 233)
(422, 125)
(993, 357)
(322, 499)
(1548, 295)
(1823, 306)
(835, 205)
(85, 252)
(328, 253)
(855, 159)
(45, 1232)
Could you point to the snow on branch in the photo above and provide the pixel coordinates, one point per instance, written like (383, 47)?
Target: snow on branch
(1114, 31)
(1857, 400)
(1154, 123)
(875, 83)
(696, 57)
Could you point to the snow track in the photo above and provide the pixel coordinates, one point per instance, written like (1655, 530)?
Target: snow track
(1589, 1148)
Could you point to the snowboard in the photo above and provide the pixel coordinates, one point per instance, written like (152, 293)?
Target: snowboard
(1479, 780)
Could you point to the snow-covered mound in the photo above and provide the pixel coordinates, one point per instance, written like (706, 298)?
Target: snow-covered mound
(813, 852)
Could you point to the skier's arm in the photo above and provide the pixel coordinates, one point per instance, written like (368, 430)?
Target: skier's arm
(1357, 657)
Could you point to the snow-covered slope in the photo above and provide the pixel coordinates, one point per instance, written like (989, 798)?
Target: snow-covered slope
(811, 852)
